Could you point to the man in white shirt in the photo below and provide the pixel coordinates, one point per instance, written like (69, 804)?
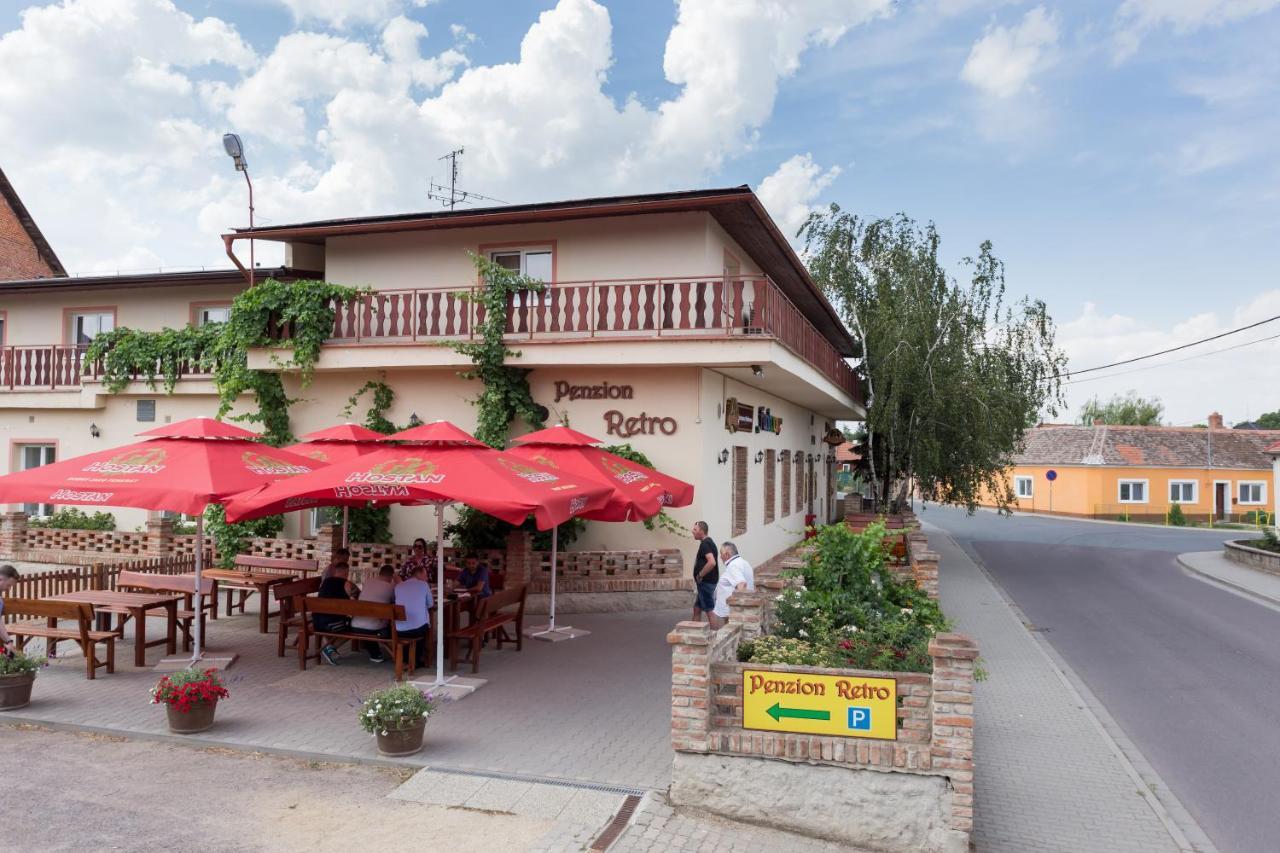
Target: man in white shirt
(735, 574)
(380, 590)
(414, 594)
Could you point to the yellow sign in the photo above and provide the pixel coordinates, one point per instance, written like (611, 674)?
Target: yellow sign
(843, 705)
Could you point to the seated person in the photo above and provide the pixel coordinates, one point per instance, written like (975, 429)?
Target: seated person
(334, 585)
(420, 555)
(474, 577)
(414, 595)
(381, 590)
(342, 556)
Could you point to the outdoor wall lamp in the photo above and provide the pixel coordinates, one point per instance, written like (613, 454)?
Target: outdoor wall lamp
(94, 432)
(759, 456)
(414, 420)
(757, 370)
(723, 457)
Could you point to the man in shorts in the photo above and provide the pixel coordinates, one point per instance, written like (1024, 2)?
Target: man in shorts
(735, 574)
(706, 572)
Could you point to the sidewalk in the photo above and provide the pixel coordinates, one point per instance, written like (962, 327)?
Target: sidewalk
(1214, 567)
(1048, 776)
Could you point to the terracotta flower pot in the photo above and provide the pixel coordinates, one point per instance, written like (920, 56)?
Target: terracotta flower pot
(15, 690)
(198, 719)
(404, 741)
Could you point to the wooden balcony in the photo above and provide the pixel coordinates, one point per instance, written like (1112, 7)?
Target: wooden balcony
(654, 308)
(52, 367)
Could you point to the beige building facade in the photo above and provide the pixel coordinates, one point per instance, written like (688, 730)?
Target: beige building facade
(680, 323)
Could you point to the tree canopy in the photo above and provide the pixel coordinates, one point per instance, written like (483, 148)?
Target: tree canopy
(1123, 410)
(1270, 420)
(954, 373)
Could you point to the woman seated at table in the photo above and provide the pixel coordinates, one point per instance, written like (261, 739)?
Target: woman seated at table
(474, 577)
(379, 589)
(422, 556)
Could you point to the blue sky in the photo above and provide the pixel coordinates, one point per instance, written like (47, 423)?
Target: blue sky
(1120, 154)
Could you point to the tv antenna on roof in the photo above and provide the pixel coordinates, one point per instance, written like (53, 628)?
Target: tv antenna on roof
(451, 196)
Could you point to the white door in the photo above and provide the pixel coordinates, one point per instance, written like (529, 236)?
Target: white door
(33, 456)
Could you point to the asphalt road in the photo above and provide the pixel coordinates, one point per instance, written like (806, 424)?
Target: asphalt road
(1189, 671)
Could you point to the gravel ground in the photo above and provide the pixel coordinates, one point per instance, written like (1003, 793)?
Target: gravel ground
(82, 792)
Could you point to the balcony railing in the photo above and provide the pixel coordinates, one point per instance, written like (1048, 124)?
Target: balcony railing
(53, 367)
(675, 308)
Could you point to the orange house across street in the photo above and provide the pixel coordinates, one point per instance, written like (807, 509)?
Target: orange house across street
(1141, 473)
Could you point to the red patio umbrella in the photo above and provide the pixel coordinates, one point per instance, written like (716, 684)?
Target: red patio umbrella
(438, 464)
(182, 467)
(339, 444)
(636, 492)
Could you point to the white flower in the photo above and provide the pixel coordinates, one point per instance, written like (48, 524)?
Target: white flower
(371, 714)
(907, 611)
(802, 632)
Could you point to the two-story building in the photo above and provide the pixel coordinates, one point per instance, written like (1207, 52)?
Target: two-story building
(681, 323)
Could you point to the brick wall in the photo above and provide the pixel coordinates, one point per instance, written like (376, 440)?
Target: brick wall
(19, 257)
(609, 571)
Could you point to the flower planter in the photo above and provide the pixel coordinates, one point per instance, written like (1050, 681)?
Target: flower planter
(406, 741)
(15, 690)
(198, 719)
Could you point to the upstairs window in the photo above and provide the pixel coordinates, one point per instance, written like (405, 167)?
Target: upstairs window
(533, 262)
(206, 314)
(84, 326)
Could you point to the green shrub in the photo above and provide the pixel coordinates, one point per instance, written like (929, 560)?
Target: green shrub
(395, 708)
(1176, 518)
(14, 662)
(71, 518)
(1269, 541)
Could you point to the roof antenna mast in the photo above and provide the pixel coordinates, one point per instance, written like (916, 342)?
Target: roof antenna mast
(451, 196)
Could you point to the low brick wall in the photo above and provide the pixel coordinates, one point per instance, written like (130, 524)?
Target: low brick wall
(609, 571)
(1254, 558)
(914, 793)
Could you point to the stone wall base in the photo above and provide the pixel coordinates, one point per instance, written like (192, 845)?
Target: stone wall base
(869, 809)
(610, 602)
(1254, 558)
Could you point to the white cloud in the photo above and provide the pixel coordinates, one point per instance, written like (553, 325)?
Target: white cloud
(1237, 382)
(341, 14)
(1004, 60)
(1135, 18)
(790, 192)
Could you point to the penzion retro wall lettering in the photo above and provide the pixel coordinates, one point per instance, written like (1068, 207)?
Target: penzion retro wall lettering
(616, 423)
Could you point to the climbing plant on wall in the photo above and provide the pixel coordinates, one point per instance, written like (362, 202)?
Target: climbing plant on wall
(372, 523)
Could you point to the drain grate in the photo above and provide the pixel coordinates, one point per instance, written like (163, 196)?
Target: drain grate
(621, 790)
(617, 825)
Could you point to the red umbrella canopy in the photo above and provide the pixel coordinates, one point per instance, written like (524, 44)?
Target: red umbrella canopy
(636, 492)
(497, 483)
(339, 443)
(177, 474)
(440, 433)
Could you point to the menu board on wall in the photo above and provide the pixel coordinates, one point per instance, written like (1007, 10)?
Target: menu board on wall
(739, 417)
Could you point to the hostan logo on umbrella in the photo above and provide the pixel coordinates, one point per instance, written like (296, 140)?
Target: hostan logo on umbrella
(81, 497)
(622, 473)
(257, 463)
(526, 472)
(133, 462)
(410, 471)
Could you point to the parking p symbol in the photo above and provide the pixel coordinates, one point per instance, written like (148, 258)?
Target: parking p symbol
(860, 718)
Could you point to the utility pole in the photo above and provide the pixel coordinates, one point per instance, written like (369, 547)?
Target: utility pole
(451, 196)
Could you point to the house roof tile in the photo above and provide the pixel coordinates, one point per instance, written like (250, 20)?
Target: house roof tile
(1157, 447)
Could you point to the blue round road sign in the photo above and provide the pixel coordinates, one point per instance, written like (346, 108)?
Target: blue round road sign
(1051, 475)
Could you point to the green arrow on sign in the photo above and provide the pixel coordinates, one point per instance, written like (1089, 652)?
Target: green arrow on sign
(778, 712)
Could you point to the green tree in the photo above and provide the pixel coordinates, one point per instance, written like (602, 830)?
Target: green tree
(954, 374)
(1270, 420)
(1123, 410)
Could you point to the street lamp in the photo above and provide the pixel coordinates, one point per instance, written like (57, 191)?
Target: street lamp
(235, 150)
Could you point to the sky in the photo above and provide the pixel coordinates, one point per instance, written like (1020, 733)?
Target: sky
(1120, 154)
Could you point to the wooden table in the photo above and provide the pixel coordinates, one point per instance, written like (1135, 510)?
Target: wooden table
(248, 583)
(136, 604)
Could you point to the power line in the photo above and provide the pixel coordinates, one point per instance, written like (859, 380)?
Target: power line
(1177, 361)
(1170, 349)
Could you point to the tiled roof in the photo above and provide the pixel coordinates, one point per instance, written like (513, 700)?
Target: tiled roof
(847, 453)
(1165, 447)
(1275, 448)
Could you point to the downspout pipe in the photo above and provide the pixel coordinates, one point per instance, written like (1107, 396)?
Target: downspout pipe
(228, 241)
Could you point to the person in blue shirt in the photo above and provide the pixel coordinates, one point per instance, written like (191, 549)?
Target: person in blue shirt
(474, 577)
(414, 594)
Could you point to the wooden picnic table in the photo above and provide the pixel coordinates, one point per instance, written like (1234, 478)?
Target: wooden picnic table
(249, 582)
(136, 604)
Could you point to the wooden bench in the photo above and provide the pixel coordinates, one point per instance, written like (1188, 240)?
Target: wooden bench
(504, 608)
(403, 649)
(183, 584)
(287, 595)
(277, 565)
(52, 612)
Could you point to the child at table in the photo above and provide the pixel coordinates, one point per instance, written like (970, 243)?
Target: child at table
(8, 577)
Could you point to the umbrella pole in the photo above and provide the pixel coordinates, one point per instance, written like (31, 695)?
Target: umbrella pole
(346, 523)
(440, 679)
(199, 597)
(551, 628)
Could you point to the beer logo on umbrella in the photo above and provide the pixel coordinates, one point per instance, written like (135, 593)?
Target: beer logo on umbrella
(412, 470)
(257, 463)
(318, 455)
(545, 462)
(623, 474)
(525, 472)
(81, 497)
(132, 462)
(577, 504)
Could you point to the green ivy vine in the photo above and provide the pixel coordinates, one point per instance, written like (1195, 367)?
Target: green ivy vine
(371, 523)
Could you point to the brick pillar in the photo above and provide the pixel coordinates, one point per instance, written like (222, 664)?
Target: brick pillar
(519, 550)
(328, 540)
(952, 731)
(13, 534)
(690, 686)
(159, 538)
(924, 571)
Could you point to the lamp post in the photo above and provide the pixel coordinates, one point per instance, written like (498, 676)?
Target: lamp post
(235, 150)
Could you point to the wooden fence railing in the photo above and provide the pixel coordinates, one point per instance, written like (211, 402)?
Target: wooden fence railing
(96, 576)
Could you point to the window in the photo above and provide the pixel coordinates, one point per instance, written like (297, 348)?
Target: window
(1133, 491)
(318, 517)
(786, 483)
(146, 411)
(33, 456)
(770, 498)
(84, 326)
(739, 491)
(1022, 486)
(206, 314)
(534, 263)
(2, 319)
(1252, 492)
(798, 456)
(1183, 491)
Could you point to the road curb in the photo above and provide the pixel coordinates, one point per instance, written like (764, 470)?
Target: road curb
(1232, 586)
(1155, 792)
